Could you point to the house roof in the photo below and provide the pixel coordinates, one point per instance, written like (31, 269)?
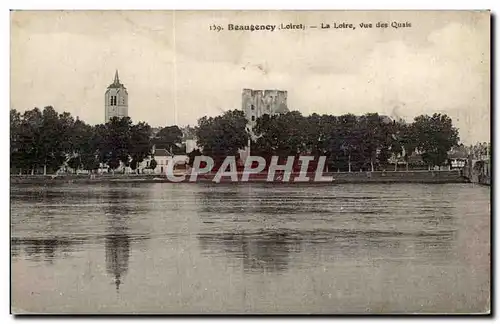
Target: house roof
(457, 155)
(162, 152)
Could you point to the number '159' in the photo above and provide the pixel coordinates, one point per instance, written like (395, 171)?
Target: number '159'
(216, 28)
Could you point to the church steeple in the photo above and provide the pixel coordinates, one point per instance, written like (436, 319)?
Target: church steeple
(117, 79)
(116, 99)
(116, 82)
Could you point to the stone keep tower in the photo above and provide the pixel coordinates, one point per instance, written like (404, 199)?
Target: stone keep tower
(256, 103)
(116, 100)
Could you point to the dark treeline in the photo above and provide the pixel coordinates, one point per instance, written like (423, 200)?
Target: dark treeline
(42, 140)
(350, 143)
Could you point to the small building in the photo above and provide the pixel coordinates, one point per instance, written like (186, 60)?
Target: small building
(457, 163)
(457, 159)
(163, 158)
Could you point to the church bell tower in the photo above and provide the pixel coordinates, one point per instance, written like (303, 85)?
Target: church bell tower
(116, 100)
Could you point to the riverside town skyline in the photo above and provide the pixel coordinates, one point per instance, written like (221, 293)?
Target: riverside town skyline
(167, 78)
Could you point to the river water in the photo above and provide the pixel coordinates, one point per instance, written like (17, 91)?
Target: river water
(250, 248)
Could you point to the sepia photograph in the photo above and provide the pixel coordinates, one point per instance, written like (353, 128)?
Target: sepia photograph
(250, 162)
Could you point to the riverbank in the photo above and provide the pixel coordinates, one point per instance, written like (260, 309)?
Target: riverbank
(338, 177)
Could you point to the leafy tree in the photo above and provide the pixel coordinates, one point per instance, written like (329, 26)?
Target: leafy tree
(153, 164)
(222, 136)
(140, 144)
(349, 136)
(394, 142)
(372, 138)
(435, 136)
(113, 163)
(318, 132)
(66, 128)
(16, 156)
(52, 136)
(408, 141)
(188, 132)
(89, 147)
(389, 145)
(294, 140)
(192, 155)
(117, 142)
(281, 135)
(29, 136)
(75, 163)
(40, 139)
(168, 137)
(82, 149)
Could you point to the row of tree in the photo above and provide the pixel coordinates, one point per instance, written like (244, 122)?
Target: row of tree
(350, 142)
(480, 150)
(44, 139)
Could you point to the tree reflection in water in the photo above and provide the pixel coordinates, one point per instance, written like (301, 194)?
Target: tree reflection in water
(275, 251)
(260, 252)
(266, 229)
(44, 249)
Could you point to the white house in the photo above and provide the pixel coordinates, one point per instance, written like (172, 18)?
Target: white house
(163, 158)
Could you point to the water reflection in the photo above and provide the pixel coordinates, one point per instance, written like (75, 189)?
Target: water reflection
(276, 250)
(50, 194)
(259, 252)
(117, 256)
(44, 249)
(53, 226)
(269, 231)
(117, 240)
(250, 248)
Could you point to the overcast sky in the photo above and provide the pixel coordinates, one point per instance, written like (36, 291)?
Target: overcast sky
(176, 70)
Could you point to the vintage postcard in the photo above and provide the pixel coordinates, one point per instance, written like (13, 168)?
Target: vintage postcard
(250, 162)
